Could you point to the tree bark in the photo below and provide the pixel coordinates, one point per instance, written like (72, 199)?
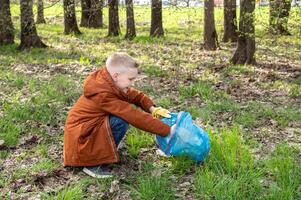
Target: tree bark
(114, 28)
(91, 14)
(29, 35)
(70, 23)
(210, 35)
(130, 21)
(6, 25)
(279, 14)
(40, 16)
(230, 21)
(156, 21)
(245, 50)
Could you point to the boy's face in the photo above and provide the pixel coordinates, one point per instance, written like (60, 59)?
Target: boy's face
(124, 80)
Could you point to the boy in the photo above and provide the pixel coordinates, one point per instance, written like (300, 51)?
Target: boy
(99, 119)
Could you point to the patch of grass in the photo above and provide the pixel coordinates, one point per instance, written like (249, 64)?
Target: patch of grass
(200, 112)
(154, 70)
(10, 131)
(43, 165)
(254, 113)
(41, 150)
(3, 180)
(294, 90)
(152, 185)
(21, 112)
(60, 88)
(180, 165)
(236, 69)
(228, 154)
(3, 154)
(13, 79)
(286, 173)
(223, 105)
(147, 89)
(201, 88)
(44, 105)
(137, 139)
(165, 102)
(291, 89)
(287, 114)
(70, 192)
(229, 171)
(210, 185)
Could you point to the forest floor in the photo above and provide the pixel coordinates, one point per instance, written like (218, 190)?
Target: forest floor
(251, 113)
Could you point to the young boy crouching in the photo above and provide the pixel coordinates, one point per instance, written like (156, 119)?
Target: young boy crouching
(100, 118)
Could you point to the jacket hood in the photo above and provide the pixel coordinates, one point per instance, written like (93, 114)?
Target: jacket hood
(94, 83)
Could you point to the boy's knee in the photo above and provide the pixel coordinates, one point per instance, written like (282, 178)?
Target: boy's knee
(118, 122)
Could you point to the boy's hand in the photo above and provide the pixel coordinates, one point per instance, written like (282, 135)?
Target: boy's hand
(160, 112)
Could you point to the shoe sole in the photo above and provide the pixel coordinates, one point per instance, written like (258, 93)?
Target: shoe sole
(95, 175)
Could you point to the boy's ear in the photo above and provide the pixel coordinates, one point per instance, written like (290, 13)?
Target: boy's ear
(115, 75)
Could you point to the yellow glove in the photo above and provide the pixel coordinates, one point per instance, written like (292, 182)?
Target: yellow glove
(160, 112)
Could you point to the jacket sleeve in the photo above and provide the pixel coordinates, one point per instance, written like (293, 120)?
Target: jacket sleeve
(133, 116)
(140, 99)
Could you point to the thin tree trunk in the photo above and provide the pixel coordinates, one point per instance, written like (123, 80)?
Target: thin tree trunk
(130, 22)
(70, 23)
(85, 4)
(279, 14)
(210, 35)
(156, 21)
(40, 16)
(245, 50)
(96, 20)
(230, 21)
(6, 25)
(114, 28)
(29, 35)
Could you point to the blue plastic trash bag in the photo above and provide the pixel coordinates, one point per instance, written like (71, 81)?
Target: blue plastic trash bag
(185, 139)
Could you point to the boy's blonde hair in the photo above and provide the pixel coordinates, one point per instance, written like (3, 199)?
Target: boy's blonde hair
(120, 62)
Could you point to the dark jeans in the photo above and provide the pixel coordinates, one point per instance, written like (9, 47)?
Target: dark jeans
(118, 127)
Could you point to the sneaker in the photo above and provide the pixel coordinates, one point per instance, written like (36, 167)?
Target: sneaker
(98, 172)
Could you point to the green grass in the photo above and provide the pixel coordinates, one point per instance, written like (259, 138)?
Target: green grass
(154, 71)
(181, 165)
(42, 104)
(255, 113)
(137, 139)
(286, 173)
(201, 88)
(209, 185)
(292, 89)
(164, 102)
(229, 171)
(31, 102)
(202, 112)
(153, 184)
(70, 192)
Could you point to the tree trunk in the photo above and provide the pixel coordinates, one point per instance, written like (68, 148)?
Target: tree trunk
(70, 23)
(6, 25)
(156, 21)
(230, 21)
(29, 35)
(130, 22)
(114, 28)
(279, 13)
(245, 50)
(40, 16)
(210, 36)
(91, 14)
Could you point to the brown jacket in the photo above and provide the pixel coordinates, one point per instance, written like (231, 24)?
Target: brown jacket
(88, 140)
